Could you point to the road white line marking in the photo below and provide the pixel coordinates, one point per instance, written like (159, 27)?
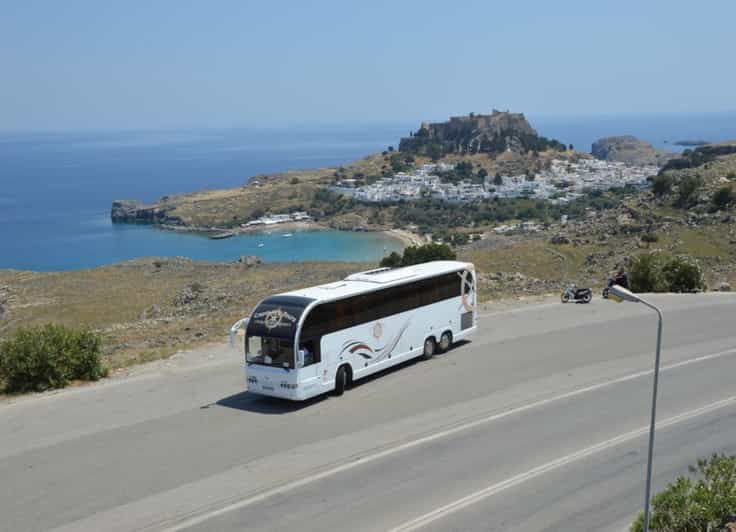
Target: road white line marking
(355, 462)
(468, 500)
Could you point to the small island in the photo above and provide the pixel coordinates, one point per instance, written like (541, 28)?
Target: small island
(690, 143)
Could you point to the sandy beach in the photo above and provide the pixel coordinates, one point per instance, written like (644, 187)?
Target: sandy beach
(406, 237)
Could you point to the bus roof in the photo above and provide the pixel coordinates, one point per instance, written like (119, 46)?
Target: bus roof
(371, 280)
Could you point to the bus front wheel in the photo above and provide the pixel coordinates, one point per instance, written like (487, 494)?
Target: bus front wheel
(341, 380)
(445, 341)
(430, 346)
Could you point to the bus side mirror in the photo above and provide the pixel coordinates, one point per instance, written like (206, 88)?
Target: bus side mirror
(300, 358)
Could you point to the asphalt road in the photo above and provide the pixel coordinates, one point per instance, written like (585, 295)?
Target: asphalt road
(539, 423)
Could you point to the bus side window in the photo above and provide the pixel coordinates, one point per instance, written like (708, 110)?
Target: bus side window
(468, 282)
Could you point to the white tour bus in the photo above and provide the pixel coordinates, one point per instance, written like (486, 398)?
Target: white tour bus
(307, 342)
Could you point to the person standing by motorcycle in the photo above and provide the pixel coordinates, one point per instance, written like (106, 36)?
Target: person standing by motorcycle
(621, 278)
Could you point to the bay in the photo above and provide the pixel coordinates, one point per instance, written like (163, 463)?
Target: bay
(56, 188)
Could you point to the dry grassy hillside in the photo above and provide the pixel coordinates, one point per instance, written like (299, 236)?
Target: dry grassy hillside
(149, 308)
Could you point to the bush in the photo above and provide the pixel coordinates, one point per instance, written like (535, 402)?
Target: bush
(649, 237)
(682, 275)
(723, 197)
(40, 358)
(686, 505)
(656, 272)
(418, 255)
(645, 273)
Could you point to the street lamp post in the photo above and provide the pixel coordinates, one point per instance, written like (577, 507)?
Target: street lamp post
(622, 294)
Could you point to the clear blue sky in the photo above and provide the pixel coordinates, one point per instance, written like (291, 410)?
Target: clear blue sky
(96, 64)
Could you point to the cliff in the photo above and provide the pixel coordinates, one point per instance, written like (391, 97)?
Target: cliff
(628, 149)
(477, 133)
(133, 211)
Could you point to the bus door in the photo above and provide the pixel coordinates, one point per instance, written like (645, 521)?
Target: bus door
(467, 316)
(311, 360)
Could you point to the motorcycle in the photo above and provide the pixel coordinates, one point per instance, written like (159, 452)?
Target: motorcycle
(579, 295)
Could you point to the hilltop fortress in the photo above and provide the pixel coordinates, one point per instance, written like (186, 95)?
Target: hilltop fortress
(477, 133)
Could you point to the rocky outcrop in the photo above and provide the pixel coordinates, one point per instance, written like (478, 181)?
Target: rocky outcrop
(132, 211)
(628, 149)
(700, 156)
(477, 133)
(250, 260)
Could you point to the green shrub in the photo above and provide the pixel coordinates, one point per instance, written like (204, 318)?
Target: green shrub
(657, 272)
(682, 275)
(688, 505)
(723, 197)
(645, 273)
(649, 237)
(40, 358)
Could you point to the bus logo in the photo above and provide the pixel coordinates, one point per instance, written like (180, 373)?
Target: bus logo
(377, 330)
(276, 318)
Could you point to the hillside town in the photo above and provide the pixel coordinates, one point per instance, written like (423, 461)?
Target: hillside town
(561, 182)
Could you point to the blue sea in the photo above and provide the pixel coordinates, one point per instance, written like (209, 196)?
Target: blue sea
(56, 188)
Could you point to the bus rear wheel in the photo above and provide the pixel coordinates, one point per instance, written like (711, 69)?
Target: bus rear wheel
(430, 347)
(445, 341)
(341, 380)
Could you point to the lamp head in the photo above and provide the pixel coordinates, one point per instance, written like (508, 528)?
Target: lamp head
(623, 294)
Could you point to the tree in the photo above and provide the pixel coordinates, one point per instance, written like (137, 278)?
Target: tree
(498, 180)
(661, 185)
(418, 255)
(482, 173)
(688, 188)
(392, 261)
(464, 169)
(692, 505)
(390, 148)
(571, 147)
(434, 151)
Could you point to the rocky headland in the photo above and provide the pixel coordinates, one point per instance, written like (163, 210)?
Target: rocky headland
(495, 133)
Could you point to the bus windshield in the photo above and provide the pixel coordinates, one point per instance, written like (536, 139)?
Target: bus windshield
(269, 351)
